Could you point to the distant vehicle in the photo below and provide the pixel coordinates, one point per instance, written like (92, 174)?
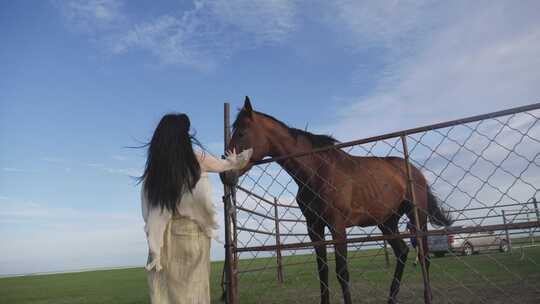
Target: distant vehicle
(466, 243)
(469, 243)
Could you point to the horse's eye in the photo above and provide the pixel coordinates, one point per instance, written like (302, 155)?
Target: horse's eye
(240, 134)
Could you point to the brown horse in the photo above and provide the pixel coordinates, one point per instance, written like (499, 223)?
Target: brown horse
(338, 190)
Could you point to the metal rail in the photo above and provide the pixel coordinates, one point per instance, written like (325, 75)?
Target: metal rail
(264, 199)
(406, 132)
(291, 246)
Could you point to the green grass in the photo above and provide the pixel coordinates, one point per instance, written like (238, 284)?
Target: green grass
(488, 278)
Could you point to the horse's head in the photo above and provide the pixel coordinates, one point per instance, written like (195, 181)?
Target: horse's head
(249, 132)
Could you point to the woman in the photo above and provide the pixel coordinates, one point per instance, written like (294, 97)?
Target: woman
(178, 212)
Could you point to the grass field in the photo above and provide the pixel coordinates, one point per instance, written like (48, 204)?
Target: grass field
(484, 278)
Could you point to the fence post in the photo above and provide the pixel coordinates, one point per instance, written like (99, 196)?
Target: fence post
(535, 202)
(506, 232)
(230, 272)
(278, 243)
(420, 245)
(234, 237)
(531, 231)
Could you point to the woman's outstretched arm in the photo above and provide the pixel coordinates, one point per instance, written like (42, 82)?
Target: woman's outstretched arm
(233, 161)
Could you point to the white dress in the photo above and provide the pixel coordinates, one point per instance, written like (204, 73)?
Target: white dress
(178, 267)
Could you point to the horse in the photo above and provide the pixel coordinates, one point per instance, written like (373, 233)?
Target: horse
(338, 190)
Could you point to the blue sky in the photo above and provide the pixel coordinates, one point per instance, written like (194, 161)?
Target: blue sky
(81, 80)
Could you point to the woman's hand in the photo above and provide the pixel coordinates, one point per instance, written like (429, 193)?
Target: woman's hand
(230, 154)
(244, 157)
(241, 159)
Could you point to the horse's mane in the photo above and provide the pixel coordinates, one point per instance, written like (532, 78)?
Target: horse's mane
(317, 140)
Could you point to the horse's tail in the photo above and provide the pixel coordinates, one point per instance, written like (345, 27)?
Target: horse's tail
(437, 215)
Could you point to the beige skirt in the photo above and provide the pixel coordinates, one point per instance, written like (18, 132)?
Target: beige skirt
(185, 277)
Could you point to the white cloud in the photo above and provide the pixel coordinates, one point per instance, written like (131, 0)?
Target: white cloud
(390, 24)
(211, 32)
(11, 169)
(67, 238)
(119, 157)
(485, 59)
(92, 15)
(268, 21)
(124, 171)
(201, 37)
(72, 238)
(53, 159)
(21, 211)
(72, 246)
(119, 171)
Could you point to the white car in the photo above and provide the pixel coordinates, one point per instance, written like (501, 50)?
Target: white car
(470, 243)
(466, 243)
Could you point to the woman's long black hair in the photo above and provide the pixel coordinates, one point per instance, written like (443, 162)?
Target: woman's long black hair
(171, 168)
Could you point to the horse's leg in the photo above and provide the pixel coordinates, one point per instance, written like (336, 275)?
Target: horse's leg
(400, 251)
(342, 272)
(316, 233)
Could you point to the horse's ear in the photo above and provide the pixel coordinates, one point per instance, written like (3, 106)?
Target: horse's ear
(247, 106)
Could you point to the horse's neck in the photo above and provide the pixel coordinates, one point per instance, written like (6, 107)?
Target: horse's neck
(300, 168)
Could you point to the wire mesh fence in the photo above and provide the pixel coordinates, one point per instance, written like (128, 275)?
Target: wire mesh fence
(481, 172)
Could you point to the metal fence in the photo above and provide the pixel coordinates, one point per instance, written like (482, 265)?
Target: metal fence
(485, 171)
